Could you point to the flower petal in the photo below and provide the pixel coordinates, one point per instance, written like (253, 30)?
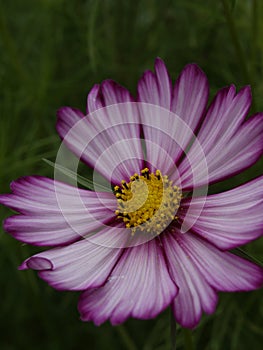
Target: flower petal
(190, 95)
(224, 271)
(195, 294)
(228, 219)
(53, 212)
(229, 143)
(108, 140)
(156, 88)
(94, 100)
(139, 286)
(169, 128)
(81, 265)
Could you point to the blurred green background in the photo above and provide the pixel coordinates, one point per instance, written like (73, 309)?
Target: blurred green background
(51, 53)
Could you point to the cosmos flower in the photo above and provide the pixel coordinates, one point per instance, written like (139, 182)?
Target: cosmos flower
(155, 238)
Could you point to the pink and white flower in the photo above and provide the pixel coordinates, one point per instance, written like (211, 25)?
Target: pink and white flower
(126, 249)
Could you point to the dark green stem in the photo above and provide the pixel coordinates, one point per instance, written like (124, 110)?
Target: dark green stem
(235, 39)
(91, 35)
(254, 46)
(254, 35)
(126, 338)
(10, 46)
(172, 331)
(188, 339)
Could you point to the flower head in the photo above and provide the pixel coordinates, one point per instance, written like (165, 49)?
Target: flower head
(154, 237)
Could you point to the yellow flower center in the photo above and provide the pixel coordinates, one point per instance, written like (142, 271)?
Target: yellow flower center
(148, 202)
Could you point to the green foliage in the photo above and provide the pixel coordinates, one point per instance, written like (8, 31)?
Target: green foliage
(52, 52)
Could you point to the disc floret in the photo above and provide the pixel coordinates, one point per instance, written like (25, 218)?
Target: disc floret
(148, 202)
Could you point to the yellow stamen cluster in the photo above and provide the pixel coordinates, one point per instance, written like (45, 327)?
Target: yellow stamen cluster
(148, 202)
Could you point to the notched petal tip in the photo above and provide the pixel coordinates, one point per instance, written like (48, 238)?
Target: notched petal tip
(4, 199)
(67, 117)
(224, 91)
(246, 93)
(94, 91)
(147, 74)
(65, 110)
(20, 181)
(193, 74)
(246, 89)
(193, 68)
(7, 225)
(114, 93)
(67, 114)
(94, 99)
(160, 65)
(158, 59)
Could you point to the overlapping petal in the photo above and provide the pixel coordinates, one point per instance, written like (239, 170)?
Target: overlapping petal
(81, 265)
(108, 140)
(228, 219)
(195, 294)
(156, 88)
(224, 271)
(190, 96)
(199, 269)
(94, 99)
(229, 143)
(168, 133)
(54, 213)
(139, 286)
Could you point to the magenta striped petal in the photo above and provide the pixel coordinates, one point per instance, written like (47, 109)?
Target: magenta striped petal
(156, 88)
(94, 100)
(106, 94)
(225, 114)
(195, 294)
(108, 140)
(139, 286)
(230, 144)
(190, 95)
(53, 212)
(81, 265)
(189, 101)
(159, 138)
(222, 270)
(165, 133)
(228, 219)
